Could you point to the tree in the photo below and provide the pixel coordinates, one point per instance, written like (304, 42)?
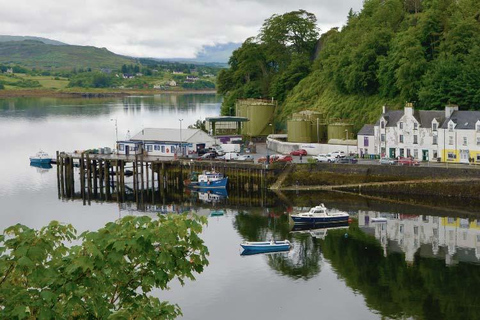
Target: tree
(45, 274)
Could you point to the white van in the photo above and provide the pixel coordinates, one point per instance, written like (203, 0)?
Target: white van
(230, 156)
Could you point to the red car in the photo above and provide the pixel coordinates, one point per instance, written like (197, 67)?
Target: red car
(284, 159)
(408, 162)
(299, 152)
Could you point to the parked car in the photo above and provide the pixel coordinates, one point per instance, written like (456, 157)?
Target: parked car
(338, 154)
(346, 160)
(229, 156)
(284, 159)
(272, 158)
(331, 157)
(408, 162)
(388, 161)
(245, 157)
(299, 152)
(321, 158)
(208, 156)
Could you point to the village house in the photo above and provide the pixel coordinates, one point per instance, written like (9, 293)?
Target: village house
(426, 135)
(365, 141)
(166, 142)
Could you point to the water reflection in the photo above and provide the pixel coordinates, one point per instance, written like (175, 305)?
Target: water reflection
(446, 238)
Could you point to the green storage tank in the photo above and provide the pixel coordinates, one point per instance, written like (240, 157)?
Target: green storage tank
(339, 130)
(260, 115)
(299, 131)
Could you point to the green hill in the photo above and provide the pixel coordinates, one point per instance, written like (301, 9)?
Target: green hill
(5, 38)
(36, 54)
(393, 51)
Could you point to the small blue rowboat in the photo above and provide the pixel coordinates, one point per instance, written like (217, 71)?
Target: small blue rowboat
(267, 246)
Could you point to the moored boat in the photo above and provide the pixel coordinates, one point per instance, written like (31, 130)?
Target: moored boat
(207, 180)
(266, 246)
(40, 157)
(320, 215)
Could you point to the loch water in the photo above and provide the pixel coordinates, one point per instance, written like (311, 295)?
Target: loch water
(423, 262)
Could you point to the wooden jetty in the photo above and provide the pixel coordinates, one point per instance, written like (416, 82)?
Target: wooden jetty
(147, 179)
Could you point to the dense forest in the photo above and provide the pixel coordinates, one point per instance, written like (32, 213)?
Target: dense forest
(392, 51)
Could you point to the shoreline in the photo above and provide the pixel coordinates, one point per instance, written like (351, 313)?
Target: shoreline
(50, 93)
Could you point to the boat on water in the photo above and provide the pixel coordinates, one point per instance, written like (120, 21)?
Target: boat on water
(320, 215)
(217, 213)
(207, 180)
(266, 246)
(40, 157)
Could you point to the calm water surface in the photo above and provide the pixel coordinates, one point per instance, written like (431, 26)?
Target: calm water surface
(422, 263)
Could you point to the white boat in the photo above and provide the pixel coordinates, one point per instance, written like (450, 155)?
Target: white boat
(320, 215)
(41, 157)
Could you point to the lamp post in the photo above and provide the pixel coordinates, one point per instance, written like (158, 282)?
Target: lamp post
(346, 140)
(181, 141)
(116, 130)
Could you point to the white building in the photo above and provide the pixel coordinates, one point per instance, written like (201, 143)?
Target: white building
(166, 142)
(366, 141)
(427, 135)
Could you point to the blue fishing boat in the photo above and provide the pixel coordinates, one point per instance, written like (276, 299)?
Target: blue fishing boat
(207, 180)
(40, 157)
(320, 215)
(266, 246)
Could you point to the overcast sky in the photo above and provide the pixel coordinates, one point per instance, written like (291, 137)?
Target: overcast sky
(157, 28)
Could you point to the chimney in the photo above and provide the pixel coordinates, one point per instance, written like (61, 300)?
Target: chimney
(449, 109)
(384, 109)
(408, 109)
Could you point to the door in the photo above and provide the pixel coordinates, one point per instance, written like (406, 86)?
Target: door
(127, 149)
(392, 153)
(464, 155)
(425, 155)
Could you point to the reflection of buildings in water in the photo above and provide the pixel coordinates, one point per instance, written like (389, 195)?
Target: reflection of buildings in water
(452, 239)
(210, 197)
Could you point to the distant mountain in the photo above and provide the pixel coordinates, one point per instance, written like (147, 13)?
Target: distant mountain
(5, 38)
(217, 53)
(36, 53)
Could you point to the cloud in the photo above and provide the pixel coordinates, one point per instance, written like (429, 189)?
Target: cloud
(157, 28)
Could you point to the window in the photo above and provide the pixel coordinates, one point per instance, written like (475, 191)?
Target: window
(450, 140)
(365, 141)
(465, 141)
(435, 154)
(402, 152)
(149, 147)
(172, 149)
(450, 127)
(478, 157)
(382, 124)
(121, 147)
(382, 137)
(415, 139)
(163, 149)
(401, 228)
(409, 154)
(451, 156)
(401, 138)
(415, 153)
(401, 125)
(478, 126)
(434, 126)
(435, 139)
(415, 126)
(157, 147)
(478, 141)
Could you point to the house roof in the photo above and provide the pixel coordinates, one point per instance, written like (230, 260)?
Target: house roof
(367, 130)
(463, 119)
(172, 135)
(425, 117)
(392, 117)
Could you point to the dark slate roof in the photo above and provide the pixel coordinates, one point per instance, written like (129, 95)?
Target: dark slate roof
(392, 117)
(425, 117)
(367, 130)
(463, 119)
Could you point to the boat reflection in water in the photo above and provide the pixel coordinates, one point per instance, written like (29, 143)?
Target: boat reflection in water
(212, 195)
(319, 231)
(41, 165)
